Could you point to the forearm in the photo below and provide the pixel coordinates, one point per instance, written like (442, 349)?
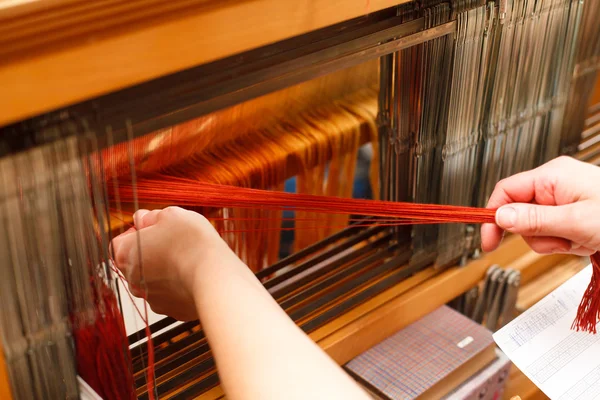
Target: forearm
(260, 352)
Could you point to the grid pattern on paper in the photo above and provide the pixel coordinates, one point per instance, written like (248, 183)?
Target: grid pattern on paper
(545, 314)
(587, 388)
(410, 362)
(560, 355)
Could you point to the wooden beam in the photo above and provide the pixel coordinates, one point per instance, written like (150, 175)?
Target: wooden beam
(537, 289)
(532, 265)
(595, 98)
(370, 329)
(379, 300)
(519, 385)
(98, 62)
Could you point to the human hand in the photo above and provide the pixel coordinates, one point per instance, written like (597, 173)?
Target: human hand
(175, 247)
(555, 207)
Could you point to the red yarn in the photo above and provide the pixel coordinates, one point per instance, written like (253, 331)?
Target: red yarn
(150, 347)
(186, 192)
(103, 358)
(588, 312)
(150, 344)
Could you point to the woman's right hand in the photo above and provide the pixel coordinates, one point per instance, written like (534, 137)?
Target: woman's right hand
(555, 207)
(168, 254)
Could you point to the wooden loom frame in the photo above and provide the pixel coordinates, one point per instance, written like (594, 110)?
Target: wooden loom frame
(43, 45)
(21, 75)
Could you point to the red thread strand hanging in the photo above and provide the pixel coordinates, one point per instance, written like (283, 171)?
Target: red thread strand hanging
(588, 312)
(102, 355)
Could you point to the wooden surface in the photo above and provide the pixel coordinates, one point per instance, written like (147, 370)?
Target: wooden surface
(370, 329)
(372, 304)
(532, 265)
(595, 98)
(532, 292)
(461, 374)
(519, 385)
(89, 63)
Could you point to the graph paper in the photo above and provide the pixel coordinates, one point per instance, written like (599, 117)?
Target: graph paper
(563, 363)
(409, 363)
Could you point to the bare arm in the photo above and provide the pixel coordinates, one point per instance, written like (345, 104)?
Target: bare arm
(189, 272)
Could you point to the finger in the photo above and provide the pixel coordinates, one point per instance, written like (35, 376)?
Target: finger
(582, 251)
(536, 220)
(539, 185)
(491, 236)
(519, 188)
(548, 245)
(111, 249)
(128, 231)
(123, 247)
(142, 219)
(131, 252)
(136, 291)
(145, 218)
(138, 216)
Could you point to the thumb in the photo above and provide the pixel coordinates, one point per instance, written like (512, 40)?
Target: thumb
(128, 255)
(123, 247)
(536, 220)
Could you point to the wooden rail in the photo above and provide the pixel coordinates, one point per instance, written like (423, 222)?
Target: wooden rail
(60, 52)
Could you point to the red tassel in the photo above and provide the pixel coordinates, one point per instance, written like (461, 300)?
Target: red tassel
(588, 312)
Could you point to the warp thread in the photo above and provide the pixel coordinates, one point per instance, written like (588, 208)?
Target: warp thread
(192, 193)
(102, 350)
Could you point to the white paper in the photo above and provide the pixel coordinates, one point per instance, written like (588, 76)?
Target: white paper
(85, 391)
(133, 321)
(563, 363)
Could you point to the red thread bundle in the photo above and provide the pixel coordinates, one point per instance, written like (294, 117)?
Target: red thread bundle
(102, 350)
(588, 312)
(186, 192)
(191, 193)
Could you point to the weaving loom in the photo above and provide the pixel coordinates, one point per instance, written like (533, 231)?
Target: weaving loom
(424, 101)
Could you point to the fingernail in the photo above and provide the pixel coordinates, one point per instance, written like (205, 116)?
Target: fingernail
(506, 217)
